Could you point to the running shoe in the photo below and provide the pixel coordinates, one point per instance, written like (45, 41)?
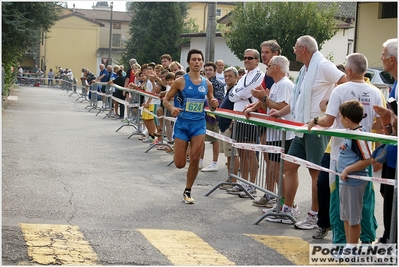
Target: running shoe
(310, 222)
(187, 198)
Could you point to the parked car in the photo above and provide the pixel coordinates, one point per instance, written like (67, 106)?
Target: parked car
(381, 79)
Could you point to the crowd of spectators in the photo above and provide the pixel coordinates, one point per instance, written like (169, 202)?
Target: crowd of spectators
(318, 97)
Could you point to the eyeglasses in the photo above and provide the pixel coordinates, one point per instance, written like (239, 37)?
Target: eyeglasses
(248, 58)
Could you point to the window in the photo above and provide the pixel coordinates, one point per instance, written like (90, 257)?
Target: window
(218, 12)
(349, 49)
(116, 40)
(116, 25)
(389, 10)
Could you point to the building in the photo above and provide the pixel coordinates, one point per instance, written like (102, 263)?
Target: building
(376, 23)
(198, 11)
(81, 38)
(120, 31)
(71, 43)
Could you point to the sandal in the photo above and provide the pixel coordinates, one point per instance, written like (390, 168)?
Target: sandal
(169, 150)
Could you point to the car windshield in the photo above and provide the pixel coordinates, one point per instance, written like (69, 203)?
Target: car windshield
(386, 77)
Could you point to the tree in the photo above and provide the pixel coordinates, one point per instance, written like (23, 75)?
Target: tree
(22, 25)
(253, 23)
(155, 30)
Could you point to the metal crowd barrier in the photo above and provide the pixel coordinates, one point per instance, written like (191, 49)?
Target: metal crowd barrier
(135, 103)
(258, 123)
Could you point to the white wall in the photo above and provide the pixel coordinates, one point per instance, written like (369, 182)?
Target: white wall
(221, 51)
(338, 45)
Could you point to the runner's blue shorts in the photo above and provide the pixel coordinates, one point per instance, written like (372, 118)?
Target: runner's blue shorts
(186, 129)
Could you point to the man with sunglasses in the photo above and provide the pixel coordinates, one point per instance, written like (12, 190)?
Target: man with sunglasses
(247, 133)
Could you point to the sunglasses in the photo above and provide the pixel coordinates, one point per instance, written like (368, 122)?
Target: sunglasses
(248, 58)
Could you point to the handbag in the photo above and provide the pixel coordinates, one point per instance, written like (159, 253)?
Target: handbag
(380, 153)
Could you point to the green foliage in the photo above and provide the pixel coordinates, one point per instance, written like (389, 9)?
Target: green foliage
(155, 30)
(189, 27)
(255, 22)
(22, 24)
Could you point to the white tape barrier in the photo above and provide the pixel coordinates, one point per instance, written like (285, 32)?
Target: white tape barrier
(311, 165)
(295, 160)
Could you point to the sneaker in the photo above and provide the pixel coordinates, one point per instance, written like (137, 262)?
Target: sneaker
(200, 166)
(235, 190)
(225, 186)
(148, 140)
(125, 120)
(310, 222)
(272, 209)
(250, 190)
(321, 232)
(210, 168)
(188, 199)
(267, 202)
(282, 219)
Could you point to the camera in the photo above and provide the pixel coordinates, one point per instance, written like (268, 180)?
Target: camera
(393, 105)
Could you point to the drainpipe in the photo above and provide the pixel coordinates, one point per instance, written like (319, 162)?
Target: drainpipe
(356, 25)
(205, 17)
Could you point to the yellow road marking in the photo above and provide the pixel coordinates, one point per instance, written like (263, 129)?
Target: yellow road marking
(52, 244)
(294, 249)
(184, 248)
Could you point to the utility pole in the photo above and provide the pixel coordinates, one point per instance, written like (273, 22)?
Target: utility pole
(210, 33)
(110, 37)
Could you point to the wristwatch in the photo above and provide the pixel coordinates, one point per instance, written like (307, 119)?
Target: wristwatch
(264, 99)
(315, 120)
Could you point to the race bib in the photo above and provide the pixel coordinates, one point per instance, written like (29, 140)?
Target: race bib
(194, 105)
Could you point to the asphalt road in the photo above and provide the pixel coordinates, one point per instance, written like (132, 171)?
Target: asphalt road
(64, 166)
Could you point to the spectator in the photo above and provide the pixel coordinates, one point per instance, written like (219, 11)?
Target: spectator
(219, 71)
(245, 132)
(269, 49)
(118, 80)
(316, 80)
(211, 120)
(131, 78)
(241, 72)
(353, 159)
(102, 78)
(50, 77)
(277, 98)
(113, 76)
(355, 89)
(226, 126)
(175, 66)
(166, 59)
(123, 70)
(389, 59)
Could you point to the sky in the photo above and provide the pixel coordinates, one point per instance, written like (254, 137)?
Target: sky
(118, 5)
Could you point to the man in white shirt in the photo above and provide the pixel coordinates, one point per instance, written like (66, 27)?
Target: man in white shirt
(246, 133)
(317, 78)
(220, 71)
(355, 89)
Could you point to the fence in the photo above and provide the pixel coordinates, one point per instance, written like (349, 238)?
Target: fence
(263, 121)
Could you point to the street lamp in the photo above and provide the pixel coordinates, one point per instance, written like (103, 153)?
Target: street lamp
(110, 37)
